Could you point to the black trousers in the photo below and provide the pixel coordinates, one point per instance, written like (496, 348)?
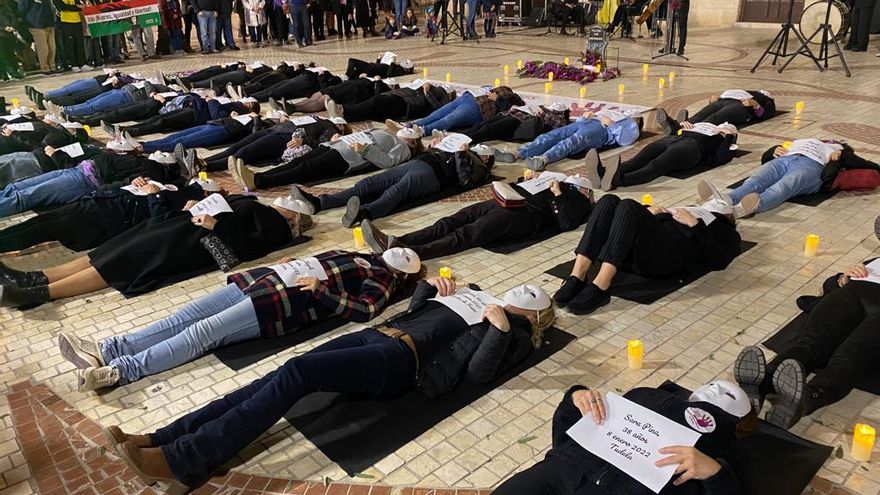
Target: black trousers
(259, 147)
(177, 120)
(320, 163)
(377, 108)
(861, 27)
(263, 81)
(721, 111)
(317, 14)
(473, 226)
(234, 77)
(840, 336)
(341, 13)
(668, 154)
(72, 48)
(207, 73)
(681, 17)
(298, 87)
(552, 476)
(138, 110)
(625, 234)
(357, 67)
(281, 23)
(496, 128)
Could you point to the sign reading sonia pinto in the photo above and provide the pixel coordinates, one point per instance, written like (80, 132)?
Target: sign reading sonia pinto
(119, 17)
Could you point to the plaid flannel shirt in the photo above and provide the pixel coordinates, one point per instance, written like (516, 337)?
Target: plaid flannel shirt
(358, 287)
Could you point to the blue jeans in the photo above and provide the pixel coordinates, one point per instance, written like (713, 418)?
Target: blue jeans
(104, 102)
(225, 23)
(471, 17)
(300, 27)
(399, 11)
(221, 318)
(460, 112)
(781, 179)
(574, 138)
(78, 86)
(18, 165)
(207, 29)
(363, 363)
(380, 194)
(52, 188)
(202, 136)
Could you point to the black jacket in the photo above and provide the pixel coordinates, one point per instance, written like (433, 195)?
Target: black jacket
(767, 103)
(714, 150)
(476, 353)
(462, 169)
(565, 212)
(714, 246)
(200, 5)
(419, 103)
(807, 303)
(848, 160)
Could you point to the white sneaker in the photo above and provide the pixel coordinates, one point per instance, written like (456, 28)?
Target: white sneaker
(75, 69)
(333, 109)
(87, 67)
(747, 206)
(706, 191)
(93, 378)
(83, 353)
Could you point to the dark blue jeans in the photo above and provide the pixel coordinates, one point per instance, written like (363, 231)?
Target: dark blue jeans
(104, 102)
(300, 27)
(203, 136)
(78, 86)
(365, 363)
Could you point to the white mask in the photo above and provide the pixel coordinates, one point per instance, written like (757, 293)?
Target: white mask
(578, 181)
(120, 145)
(403, 259)
(728, 127)
(725, 395)
(527, 296)
(162, 157)
(482, 150)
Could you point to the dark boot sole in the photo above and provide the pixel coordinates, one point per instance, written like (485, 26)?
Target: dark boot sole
(789, 382)
(750, 369)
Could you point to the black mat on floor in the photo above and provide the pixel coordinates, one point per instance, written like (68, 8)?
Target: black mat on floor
(814, 199)
(637, 288)
(788, 334)
(356, 434)
(772, 461)
(687, 174)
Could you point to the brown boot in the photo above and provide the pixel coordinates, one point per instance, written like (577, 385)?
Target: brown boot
(116, 436)
(148, 463)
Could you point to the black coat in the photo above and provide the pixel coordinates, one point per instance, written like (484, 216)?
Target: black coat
(565, 212)
(168, 248)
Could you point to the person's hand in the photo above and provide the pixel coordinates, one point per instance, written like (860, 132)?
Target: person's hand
(588, 115)
(713, 98)
(835, 156)
(150, 188)
(606, 122)
(780, 151)
(463, 147)
(189, 204)
(655, 210)
(202, 13)
(215, 13)
(7, 131)
(857, 270)
(308, 283)
(9, 29)
(750, 102)
(426, 87)
(295, 142)
(435, 142)
(335, 137)
(686, 125)
(444, 286)
(160, 98)
(364, 75)
(139, 182)
(590, 401)
(495, 315)
(554, 188)
(358, 147)
(492, 96)
(531, 174)
(285, 259)
(205, 221)
(49, 151)
(692, 464)
(684, 217)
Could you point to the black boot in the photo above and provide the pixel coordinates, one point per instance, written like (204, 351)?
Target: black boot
(17, 297)
(10, 276)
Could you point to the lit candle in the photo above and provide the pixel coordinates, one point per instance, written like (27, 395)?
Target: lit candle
(786, 144)
(645, 68)
(550, 76)
(425, 72)
(88, 129)
(799, 107)
(497, 82)
(449, 77)
(635, 351)
(358, 238)
(811, 245)
(661, 83)
(203, 175)
(583, 92)
(647, 200)
(599, 68)
(506, 69)
(519, 64)
(15, 103)
(679, 132)
(527, 174)
(565, 61)
(620, 89)
(446, 272)
(863, 442)
(671, 77)
(548, 87)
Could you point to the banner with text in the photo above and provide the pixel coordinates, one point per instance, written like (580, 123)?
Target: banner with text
(119, 17)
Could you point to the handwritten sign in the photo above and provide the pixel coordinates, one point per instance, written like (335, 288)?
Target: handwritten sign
(213, 205)
(304, 120)
(873, 272)
(137, 191)
(290, 272)
(542, 182)
(9, 117)
(388, 58)
(415, 84)
(357, 138)
(814, 149)
(24, 126)
(736, 94)
(453, 142)
(73, 150)
(630, 438)
(597, 40)
(468, 304)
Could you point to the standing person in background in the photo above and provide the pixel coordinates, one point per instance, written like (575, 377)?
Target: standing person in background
(172, 21)
(299, 22)
(73, 46)
(341, 10)
(364, 17)
(279, 16)
(255, 19)
(111, 44)
(490, 17)
(40, 16)
(189, 19)
(206, 13)
(143, 40)
(224, 24)
(9, 67)
(680, 8)
(862, 14)
(399, 8)
(316, 10)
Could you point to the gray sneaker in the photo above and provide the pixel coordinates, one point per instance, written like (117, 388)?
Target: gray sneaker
(93, 378)
(592, 162)
(611, 168)
(333, 109)
(109, 129)
(537, 163)
(504, 156)
(352, 213)
(747, 206)
(375, 238)
(83, 353)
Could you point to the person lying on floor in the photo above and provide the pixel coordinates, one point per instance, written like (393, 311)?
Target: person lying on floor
(88, 222)
(604, 129)
(837, 344)
(92, 172)
(200, 78)
(186, 111)
(469, 109)
(401, 103)
(301, 86)
(348, 92)
(241, 73)
(429, 173)
(569, 469)
(23, 159)
(654, 242)
(282, 72)
(169, 248)
(561, 205)
(701, 144)
(115, 98)
(80, 90)
(429, 348)
(520, 123)
(255, 304)
(733, 106)
(387, 64)
(806, 167)
(213, 133)
(135, 111)
(334, 158)
(28, 140)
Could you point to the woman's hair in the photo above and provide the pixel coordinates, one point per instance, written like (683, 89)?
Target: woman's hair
(344, 128)
(541, 321)
(747, 425)
(252, 106)
(416, 147)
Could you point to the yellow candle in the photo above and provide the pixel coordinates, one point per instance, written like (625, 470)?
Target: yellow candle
(811, 245)
(635, 351)
(583, 92)
(358, 238)
(203, 175)
(88, 129)
(527, 174)
(671, 77)
(15, 103)
(863, 442)
(565, 61)
(661, 83)
(548, 87)
(446, 272)
(645, 68)
(647, 200)
(599, 68)
(799, 107)
(506, 69)
(786, 144)
(497, 82)
(620, 89)
(550, 76)
(425, 72)
(519, 64)
(449, 77)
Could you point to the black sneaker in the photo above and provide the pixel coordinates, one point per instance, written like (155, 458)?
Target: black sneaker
(665, 122)
(571, 287)
(807, 303)
(750, 369)
(789, 383)
(588, 300)
(180, 158)
(297, 193)
(375, 238)
(592, 163)
(352, 215)
(18, 278)
(877, 227)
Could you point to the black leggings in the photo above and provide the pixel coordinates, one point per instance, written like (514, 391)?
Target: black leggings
(234, 77)
(299, 87)
(840, 336)
(322, 162)
(259, 147)
(473, 226)
(721, 111)
(78, 226)
(668, 154)
(138, 110)
(377, 108)
(625, 234)
(552, 476)
(264, 81)
(496, 128)
(177, 120)
(207, 73)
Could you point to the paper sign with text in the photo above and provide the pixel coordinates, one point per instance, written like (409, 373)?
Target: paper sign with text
(137, 191)
(292, 271)
(700, 213)
(24, 126)
(357, 137)
(304, 120)
(736, 94)
(468, 304)
(453, 142)
(873, 272)
(814, 149)
(213, 205)
(542, 182)
(73, 150)
(630, 438)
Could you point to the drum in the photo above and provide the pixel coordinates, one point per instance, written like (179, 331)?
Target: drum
(814, 16)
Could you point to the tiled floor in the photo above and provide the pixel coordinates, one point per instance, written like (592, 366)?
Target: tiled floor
(691, 336)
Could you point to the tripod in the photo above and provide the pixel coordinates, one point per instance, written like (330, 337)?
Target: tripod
(779, 46)
(827, 32)
(625, 28)
(669, 48)
(455, 18)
